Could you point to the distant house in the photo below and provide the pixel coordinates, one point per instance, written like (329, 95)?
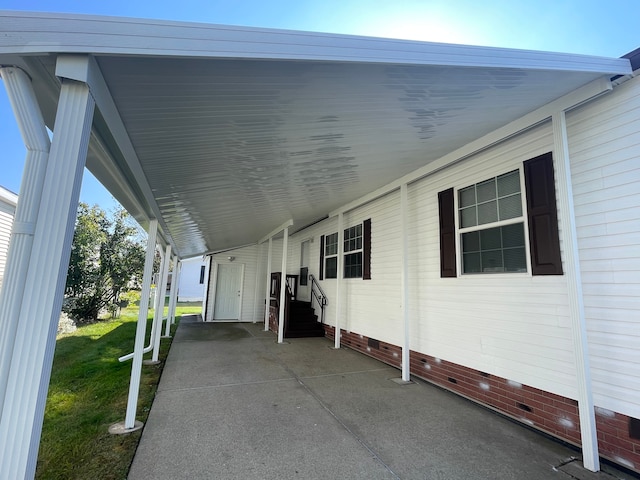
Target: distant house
(8, 202)
(469, 215)
(193, 276)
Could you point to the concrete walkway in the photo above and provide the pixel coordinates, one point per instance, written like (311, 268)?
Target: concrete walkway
(233, 404)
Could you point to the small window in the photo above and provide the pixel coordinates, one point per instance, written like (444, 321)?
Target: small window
(491, 226)
(202, 272)
(331, 256)
(353, 252)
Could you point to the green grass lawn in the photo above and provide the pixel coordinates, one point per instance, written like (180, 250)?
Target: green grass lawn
(88, 392)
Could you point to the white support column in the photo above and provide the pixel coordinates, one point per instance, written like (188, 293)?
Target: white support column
(34, 134)
(268, 290)
(161, 291)
(339, 278)
(568, 231)
(130, 424)
(173, 296)
(256, 302)
(207, 279)
(283, 284)
(404, 283)
(34, 344)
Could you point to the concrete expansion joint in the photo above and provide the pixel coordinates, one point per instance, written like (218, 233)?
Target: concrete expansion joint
(325, 407)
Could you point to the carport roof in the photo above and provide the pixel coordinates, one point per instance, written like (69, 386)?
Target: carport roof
(224, 133)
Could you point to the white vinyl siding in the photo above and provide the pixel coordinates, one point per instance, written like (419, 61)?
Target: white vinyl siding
(604, 144)
(514, 326)
(253, 286)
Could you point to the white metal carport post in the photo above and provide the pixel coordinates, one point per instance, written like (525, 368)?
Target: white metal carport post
(283, 284)
(268, 292)
(161, 291)
(336, 341)
(34, 344)
(36, 140)
(130, 423)
(404, 283)
(586, 408)
(177, 292)
(173, 293)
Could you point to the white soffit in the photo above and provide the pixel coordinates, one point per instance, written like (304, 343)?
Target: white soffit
(238, 130)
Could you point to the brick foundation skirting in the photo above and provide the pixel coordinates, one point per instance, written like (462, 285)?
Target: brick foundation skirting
(618, 435)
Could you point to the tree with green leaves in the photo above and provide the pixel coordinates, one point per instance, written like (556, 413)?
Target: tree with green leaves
(107, 258)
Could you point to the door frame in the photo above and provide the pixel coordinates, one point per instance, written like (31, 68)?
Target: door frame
(214, 288)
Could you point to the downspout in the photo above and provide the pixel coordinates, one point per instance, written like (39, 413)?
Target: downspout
(34, 134)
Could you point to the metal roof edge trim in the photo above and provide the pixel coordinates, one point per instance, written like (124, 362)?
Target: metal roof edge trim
(74, 33)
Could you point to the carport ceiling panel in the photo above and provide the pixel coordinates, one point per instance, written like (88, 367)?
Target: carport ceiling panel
(233, 147)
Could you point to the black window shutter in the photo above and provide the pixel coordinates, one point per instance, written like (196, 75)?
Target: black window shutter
(447, 234)
(366, 250)
(322, 257)
(543, 216)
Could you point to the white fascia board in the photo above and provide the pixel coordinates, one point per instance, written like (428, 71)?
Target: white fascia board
(542, 114)
(67, 33)
(83, 68)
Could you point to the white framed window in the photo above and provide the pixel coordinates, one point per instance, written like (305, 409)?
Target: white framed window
(353, 252)
(491, 226)
(331, 256)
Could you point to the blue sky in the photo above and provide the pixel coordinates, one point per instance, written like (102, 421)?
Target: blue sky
(591, 27)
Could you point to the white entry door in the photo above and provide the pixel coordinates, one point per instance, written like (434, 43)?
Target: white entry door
(228, 292)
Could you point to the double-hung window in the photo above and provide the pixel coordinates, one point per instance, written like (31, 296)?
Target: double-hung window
(356, 253)
(353, 252)
(494, 219)
(331, 256)
(491, 226)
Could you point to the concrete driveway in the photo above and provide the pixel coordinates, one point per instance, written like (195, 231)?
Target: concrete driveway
(234, 404)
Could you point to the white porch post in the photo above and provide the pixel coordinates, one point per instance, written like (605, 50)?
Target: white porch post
(568, 231)
(161, 290)
(34, 344)
(268, 292)
(404, 283)
(256, 301)
(339, 278)
(173, 296)
(207, 279)
(283, 284)
(130, 423)
(36, 140)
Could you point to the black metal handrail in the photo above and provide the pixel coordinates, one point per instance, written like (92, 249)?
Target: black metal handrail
(318, 294)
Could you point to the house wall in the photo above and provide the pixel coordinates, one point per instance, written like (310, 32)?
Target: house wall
(7, 212)
(190, 288)
(253, 284)
(505, 340)
(604, 144)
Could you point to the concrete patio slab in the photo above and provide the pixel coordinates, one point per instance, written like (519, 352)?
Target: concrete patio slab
(234, 404)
